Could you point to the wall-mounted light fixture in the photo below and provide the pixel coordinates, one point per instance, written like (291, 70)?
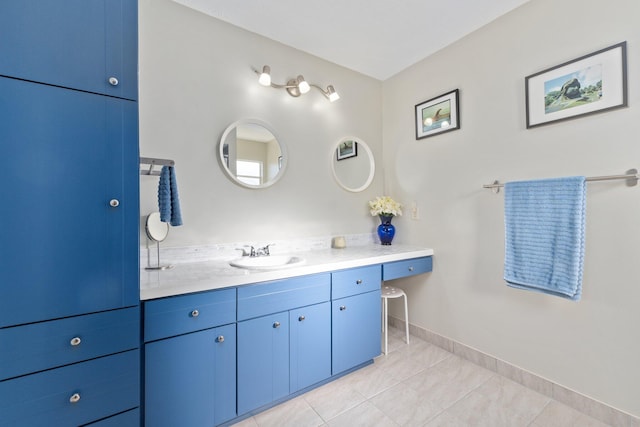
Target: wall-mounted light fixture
(295, 87)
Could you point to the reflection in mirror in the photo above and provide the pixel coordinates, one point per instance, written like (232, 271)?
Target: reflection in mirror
(157, 231)
(251, 155)
(353, 164)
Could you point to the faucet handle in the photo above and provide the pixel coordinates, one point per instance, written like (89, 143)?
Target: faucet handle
(266, 248)
(245, 252)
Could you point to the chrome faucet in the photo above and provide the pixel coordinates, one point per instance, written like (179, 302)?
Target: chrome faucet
(255, 252)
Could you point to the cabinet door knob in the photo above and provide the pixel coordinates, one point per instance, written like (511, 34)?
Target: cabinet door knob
(195, 313)
(113, 81)
(220, 338)
(114, 203)
(276, 324)
(75, 398)
(75, 341)
(359, 282)
(343, 307)
(301, 318)
(411, 268)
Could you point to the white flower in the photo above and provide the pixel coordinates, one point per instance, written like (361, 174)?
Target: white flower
(385, 205)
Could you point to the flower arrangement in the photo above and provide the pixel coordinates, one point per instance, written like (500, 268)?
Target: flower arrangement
(385, 206)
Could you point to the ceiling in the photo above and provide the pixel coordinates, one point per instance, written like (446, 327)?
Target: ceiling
(378, 38)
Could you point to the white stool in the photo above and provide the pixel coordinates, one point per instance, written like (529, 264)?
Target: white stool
(391, 292)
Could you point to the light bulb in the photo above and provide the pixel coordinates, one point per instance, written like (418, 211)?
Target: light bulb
(265, 77)
(303, 86)
(333, 95)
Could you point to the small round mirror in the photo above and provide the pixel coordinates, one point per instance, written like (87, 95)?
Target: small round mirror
(156, 230)
(352, 164)
(251, 155)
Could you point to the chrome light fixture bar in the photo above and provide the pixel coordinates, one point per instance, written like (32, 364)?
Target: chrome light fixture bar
(294, 87)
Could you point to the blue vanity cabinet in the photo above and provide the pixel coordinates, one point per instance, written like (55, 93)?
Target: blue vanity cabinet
(71, 202)
(190, 359)
(190, 380)
(310, 345)
(406, 268)
(284, 338)
(355, 317)
(78, 44)
(263, 361)
(69, 274)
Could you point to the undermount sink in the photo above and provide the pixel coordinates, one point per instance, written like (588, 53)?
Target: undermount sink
(271, 262)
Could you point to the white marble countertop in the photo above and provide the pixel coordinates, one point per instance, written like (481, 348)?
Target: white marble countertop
(217, 273)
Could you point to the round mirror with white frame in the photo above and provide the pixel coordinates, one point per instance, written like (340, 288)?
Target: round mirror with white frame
(352, 164)
(251, 154)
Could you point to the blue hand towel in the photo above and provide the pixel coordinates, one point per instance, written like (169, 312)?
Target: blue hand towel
(544, 235)
(168, 201)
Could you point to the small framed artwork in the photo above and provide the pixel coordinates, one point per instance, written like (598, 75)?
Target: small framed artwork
(347, 149)
(438, 115)
(591, 84)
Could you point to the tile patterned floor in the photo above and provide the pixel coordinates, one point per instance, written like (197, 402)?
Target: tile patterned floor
(424, 386)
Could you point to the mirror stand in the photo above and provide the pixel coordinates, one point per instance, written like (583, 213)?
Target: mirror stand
(157, 266)
(157, 231)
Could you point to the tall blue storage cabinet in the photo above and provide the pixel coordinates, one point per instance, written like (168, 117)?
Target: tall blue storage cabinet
(69, 293)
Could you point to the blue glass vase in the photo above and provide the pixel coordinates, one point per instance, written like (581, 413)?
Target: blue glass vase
(386, 230)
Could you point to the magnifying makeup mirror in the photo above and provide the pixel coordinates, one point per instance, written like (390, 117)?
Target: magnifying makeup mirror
(157, 231)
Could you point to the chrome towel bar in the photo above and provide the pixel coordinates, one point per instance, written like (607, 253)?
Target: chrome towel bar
(631, 176)
(153, 162)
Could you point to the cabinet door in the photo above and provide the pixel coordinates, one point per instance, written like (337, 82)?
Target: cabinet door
(310, 344)
(263, 361)
(65, 250)
(190, 379)
(77, 44)
(356, 330)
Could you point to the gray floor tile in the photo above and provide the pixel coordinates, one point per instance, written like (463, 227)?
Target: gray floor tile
(421, 385)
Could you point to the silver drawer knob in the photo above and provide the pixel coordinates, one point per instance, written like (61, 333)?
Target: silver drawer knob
(276, 324)
(410, 268)
(75, 341)
(220, 338)
(114, 203)
(359, 282)
(301, 318)
(343, 307)
(75, 398)
(113, 81)
(195, 313)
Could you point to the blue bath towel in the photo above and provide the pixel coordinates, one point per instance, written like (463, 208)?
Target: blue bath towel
(544, 235)
(168, 201)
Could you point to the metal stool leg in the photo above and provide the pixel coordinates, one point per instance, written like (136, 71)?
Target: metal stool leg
(406, 317)
(386, 325)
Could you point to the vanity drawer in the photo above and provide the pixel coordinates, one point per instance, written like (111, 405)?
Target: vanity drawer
(282, 295)
(405, 268)
(73, 395)
(178, 315)
(355, 281)
(40, 346)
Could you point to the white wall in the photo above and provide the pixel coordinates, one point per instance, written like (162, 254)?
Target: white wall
(196, 79)
(591, 346)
